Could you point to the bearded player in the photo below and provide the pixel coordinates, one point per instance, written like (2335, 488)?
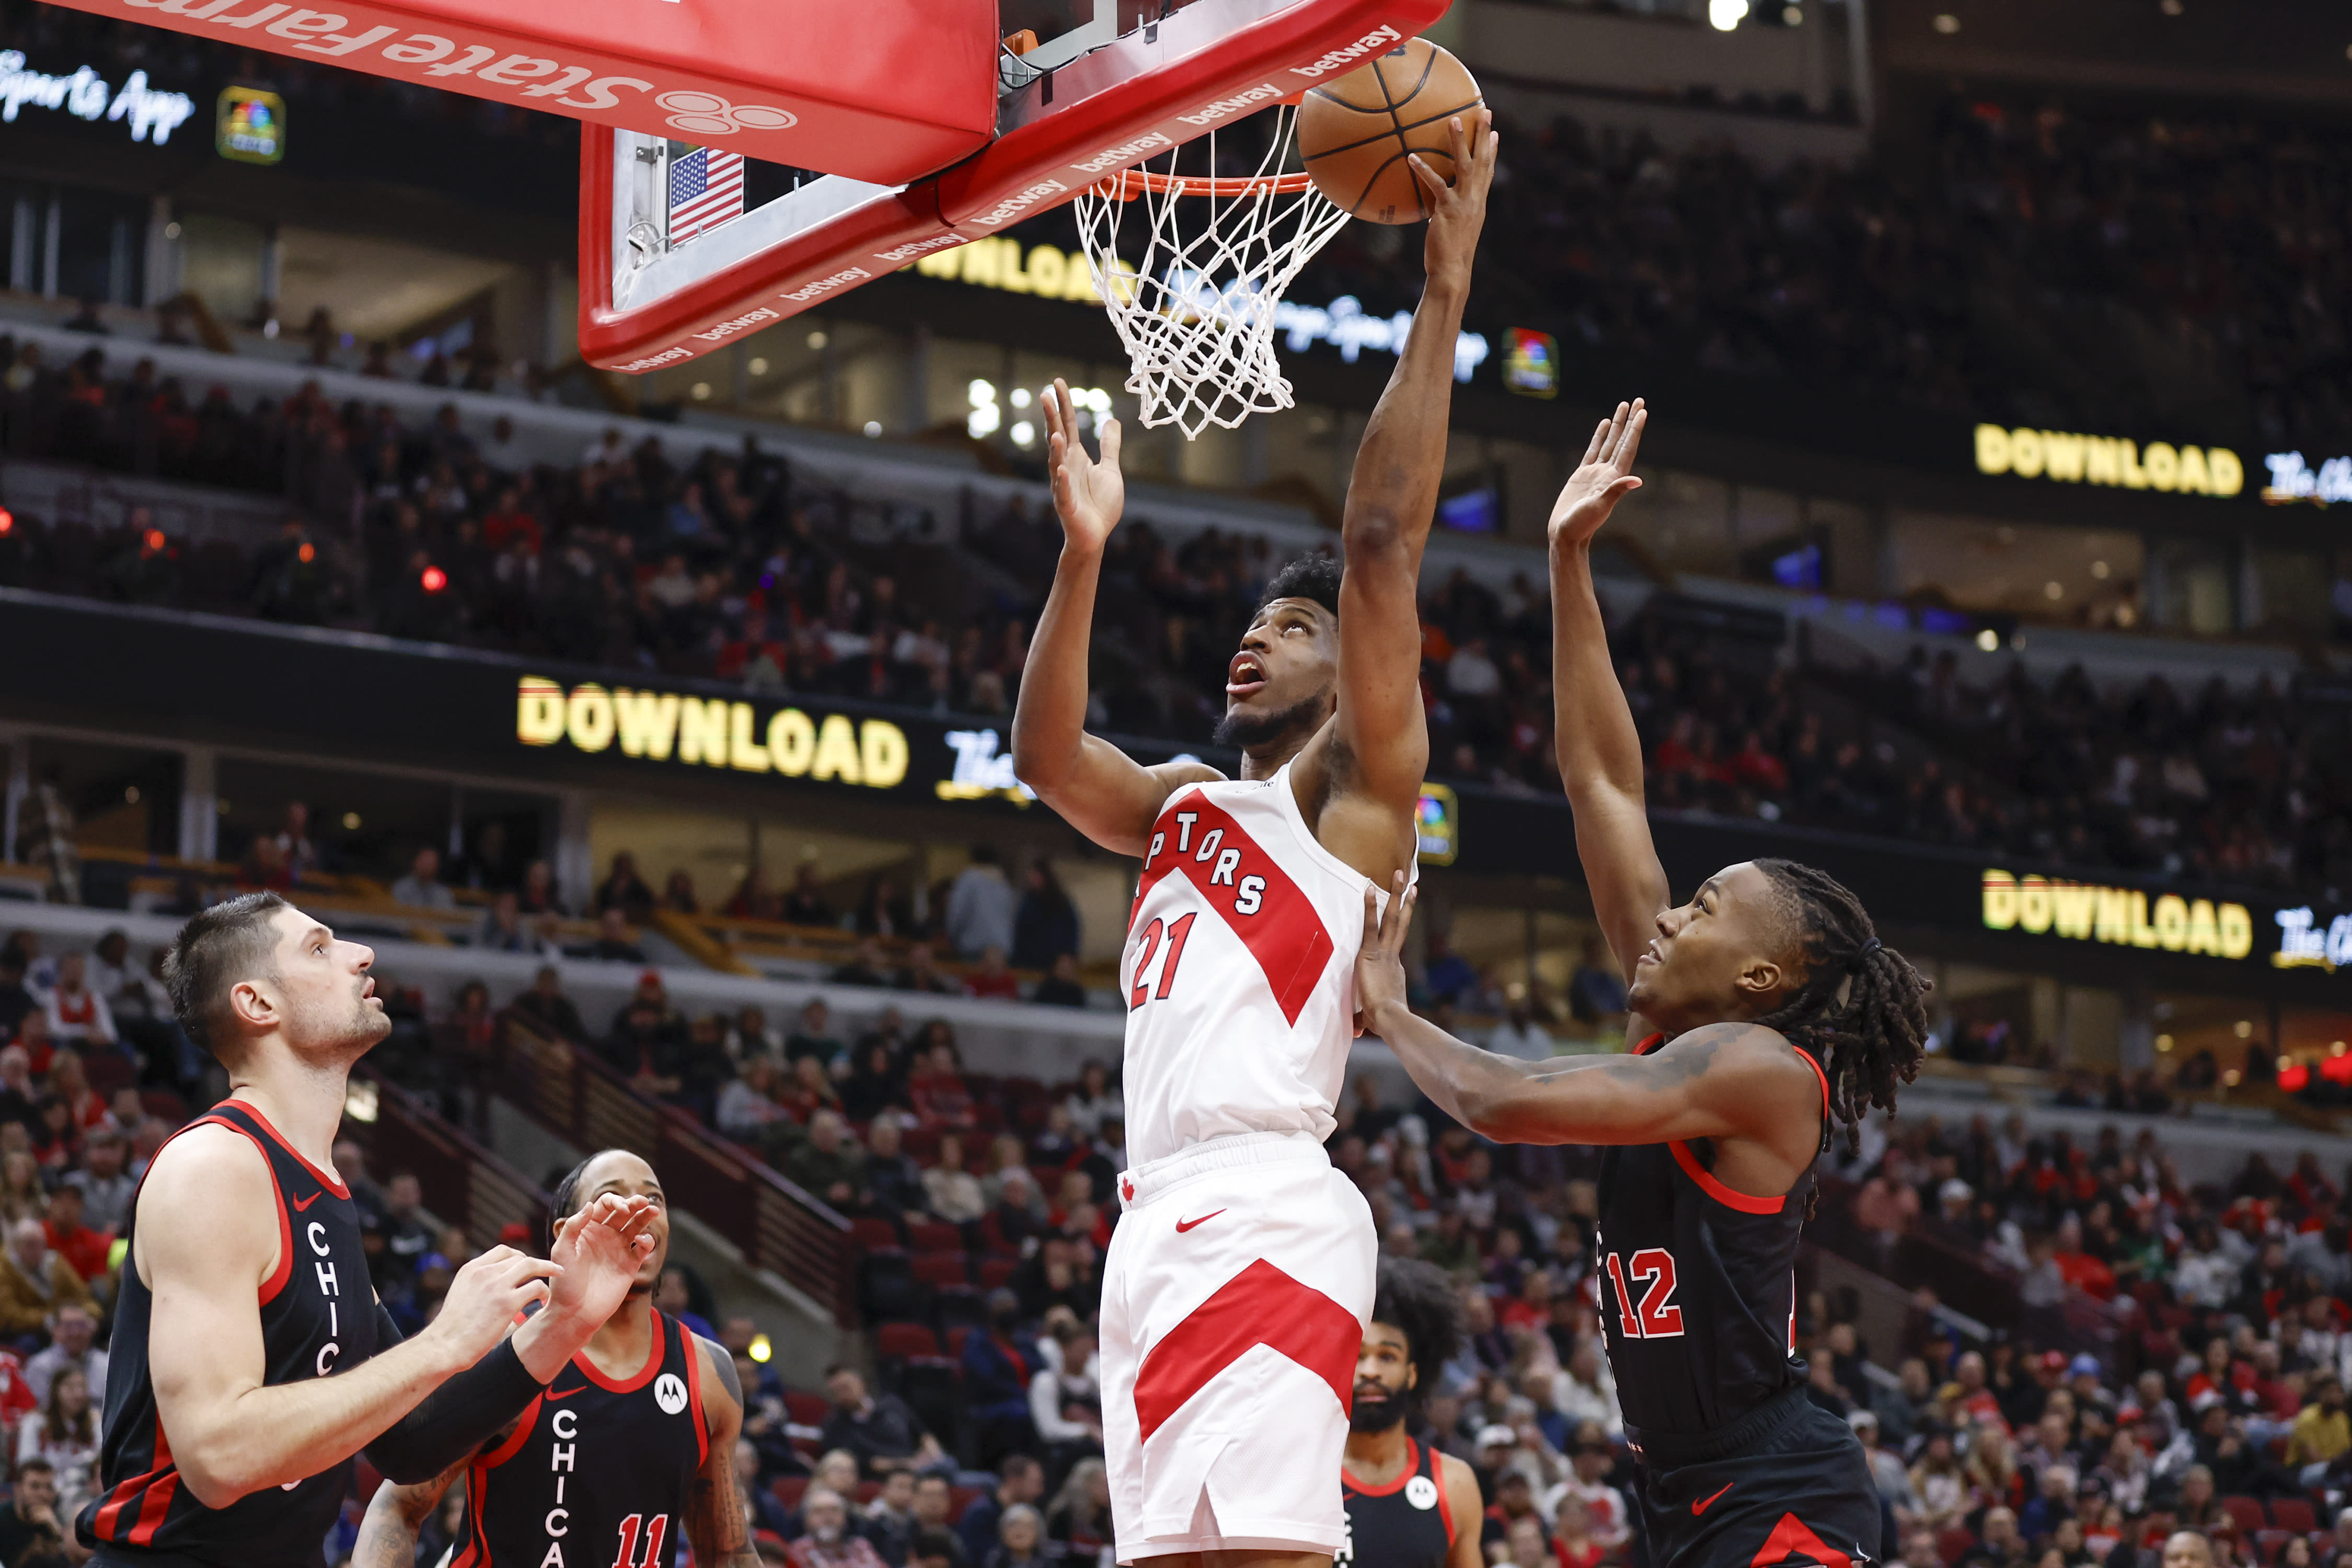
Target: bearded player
(1762, 1010)
(630, 1450)
(1237, 1285)
(1408, 1506)
(251, 1358)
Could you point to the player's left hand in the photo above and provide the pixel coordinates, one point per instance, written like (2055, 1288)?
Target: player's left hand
(600, 1249)
(1379, 961)
(1458, 211)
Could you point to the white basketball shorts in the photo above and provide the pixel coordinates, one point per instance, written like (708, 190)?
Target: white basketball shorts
(1234, 1300)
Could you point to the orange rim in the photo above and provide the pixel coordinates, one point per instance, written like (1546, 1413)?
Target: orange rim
(1129, 184)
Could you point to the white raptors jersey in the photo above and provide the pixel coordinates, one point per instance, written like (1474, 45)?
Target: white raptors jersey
(1239, 972)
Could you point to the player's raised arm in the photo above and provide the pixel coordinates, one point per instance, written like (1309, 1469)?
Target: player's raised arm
(1720, 1081)
(1600, 751)
(205, 1236)
(1381, 749)
(1096, 788)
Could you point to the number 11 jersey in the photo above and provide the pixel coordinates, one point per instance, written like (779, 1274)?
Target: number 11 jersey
(1239, 971)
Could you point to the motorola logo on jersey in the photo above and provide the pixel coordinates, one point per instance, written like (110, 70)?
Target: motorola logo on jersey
(1421, 1492)
(669, 1392)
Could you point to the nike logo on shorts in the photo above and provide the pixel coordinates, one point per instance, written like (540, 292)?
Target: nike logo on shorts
(1705, 1503)
(1185, 1225)
(301, 1203)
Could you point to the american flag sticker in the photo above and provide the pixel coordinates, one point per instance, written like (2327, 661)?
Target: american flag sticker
(706, 189)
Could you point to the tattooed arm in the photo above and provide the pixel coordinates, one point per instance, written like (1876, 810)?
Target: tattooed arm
(394, 1515)
(1722, 1080)
(716, 1524)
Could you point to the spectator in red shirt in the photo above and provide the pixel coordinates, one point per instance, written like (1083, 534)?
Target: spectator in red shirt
(509, 521)
(70, 1240)
(1757, 768)
(939, 1093)
(2079, 1269)
(992, 981)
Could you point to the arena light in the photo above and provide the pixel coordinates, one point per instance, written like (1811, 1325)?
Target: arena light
(308, 554)
(760, 1350)
(435, 579)
(2293, 1077)
(7, 523)
(1723, 15)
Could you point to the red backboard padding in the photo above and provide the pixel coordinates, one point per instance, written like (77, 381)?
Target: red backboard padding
(884, 91)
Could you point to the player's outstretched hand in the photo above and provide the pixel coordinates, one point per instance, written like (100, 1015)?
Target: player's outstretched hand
(1458, 211)
(1603, 478)
(1089, 493)
(486, 1295)
(1379, 961)
(599, 1250)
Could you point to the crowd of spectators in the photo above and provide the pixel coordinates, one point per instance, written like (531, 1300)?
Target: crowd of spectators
(725, 568)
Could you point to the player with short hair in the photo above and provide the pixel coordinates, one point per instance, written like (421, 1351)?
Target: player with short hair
(250, 1360)
(1408, 1506)
(1763, 1011)
(1237, 1285)
(629, 1451)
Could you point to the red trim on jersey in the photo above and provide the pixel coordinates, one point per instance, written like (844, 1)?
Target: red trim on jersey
(1746, 1202)
(525, 1424)
(159, 1461)
(325, 1180)
(1365, 1489)
(278, 1276)
(159, 1496)
(639, 1379)
(1285, 933)
(694, 1397)
(1643, 1048)
(1259, 1306)
(1444, 1507)
(478, 1492)
(1817, 1073)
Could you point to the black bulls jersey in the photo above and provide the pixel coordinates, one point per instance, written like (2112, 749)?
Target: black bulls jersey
(318, 1317)
(1698, 1285)
(597, 1472)
(1404, 1524)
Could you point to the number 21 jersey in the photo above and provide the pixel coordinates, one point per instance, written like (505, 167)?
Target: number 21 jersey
(1239, 971)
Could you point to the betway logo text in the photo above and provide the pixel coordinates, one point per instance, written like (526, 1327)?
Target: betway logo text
(1241, 102)
(1122, 154)
(1371, 43)
(728, 328)
(654, 362)
(1019, 202)
(824, 285)
(900, 253)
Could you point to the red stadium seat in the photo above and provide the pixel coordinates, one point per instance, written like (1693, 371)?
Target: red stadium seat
(902, 1339)
(867, 1491)
(941, 1269)
(2295, 1515)
(1953, 1540)
(2246, 1513)
(961, 1499)
(957, 1335)
(933, 1236)
(788, 1490)
(921, 1144)
(2270, 1542)
(997, 1272)
(804, 1409)
(874, 1235)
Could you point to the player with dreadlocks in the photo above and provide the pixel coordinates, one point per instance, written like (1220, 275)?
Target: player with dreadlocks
(1409, 1505)
(1764, 1010)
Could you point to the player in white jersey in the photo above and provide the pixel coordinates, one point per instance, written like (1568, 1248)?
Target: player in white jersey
(1240, 1275)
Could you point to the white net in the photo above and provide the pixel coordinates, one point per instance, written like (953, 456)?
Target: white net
(1195, 293)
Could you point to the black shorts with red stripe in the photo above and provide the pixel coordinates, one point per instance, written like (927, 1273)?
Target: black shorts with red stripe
(319, 1317)
(1785, 1486)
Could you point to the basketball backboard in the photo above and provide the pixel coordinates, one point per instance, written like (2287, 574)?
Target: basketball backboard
(1094, 101)
(879, 90)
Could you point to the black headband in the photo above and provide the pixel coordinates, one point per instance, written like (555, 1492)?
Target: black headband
(1862, 955)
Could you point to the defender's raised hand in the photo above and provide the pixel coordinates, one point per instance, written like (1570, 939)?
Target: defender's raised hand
(1089, 493)
(1458, 211)
(1604, 478)
(1379, 961)
(599, 1250)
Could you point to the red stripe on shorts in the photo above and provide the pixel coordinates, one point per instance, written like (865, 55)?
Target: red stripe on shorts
(1259, 1306)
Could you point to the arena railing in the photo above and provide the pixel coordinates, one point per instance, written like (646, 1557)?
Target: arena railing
(462, 1182)
(775, 1225)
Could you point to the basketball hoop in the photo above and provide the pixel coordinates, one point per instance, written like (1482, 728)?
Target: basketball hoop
(1196, 305)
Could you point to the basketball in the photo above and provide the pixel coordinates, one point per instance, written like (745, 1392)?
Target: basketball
(1354, 134)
